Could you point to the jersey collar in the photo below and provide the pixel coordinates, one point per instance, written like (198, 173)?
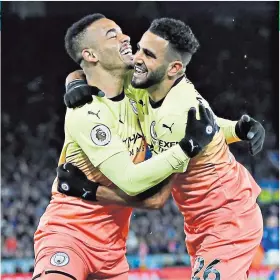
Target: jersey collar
(118, 98)
(159, 103)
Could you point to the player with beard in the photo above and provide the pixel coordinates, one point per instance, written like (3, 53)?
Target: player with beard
(216, 195)
(76, 239)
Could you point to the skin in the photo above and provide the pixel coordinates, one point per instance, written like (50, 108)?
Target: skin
(160, 64)
(106, 42)
(103, 58)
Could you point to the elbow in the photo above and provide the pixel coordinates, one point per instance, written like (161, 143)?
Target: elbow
(159, 205)
(155, 203)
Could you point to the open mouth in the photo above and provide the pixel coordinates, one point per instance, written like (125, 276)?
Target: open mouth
(126, 51)
(139, 71)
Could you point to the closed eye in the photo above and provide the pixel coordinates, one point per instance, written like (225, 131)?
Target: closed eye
(112, 33)
(146, 52)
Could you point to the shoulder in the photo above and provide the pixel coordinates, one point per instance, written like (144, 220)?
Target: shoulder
(183, 93)
(94, 112)
(181, 98)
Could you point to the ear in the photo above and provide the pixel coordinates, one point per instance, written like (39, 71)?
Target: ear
(174, 68)
(89, 55)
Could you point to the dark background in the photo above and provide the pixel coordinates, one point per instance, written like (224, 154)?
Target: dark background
(236, 70)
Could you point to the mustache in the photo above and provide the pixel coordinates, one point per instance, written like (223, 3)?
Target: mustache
(125, 46)
(141, 66)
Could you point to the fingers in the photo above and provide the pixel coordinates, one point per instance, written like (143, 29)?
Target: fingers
(206, 115)
(86, 99)
(245, 118)
(257, 145)
(253, 130)
(254, 151)
(72, 100)
(68, 170)
(67, 101)
(62, 173)
(94, 91)
(203, 113)
(210, 117)
(258, 137)
(191, 116)
(79, 96)
(73, 170)
(60, 169)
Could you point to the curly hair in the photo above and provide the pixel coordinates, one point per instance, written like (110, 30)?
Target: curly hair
(75, 34)
(177, 33)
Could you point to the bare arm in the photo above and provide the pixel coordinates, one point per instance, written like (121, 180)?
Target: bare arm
(153, 198)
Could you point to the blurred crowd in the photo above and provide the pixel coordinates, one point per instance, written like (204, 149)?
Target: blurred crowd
(28, 169)
(233, 71)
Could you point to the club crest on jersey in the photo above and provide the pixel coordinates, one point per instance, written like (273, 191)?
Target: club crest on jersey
(153, 131)
(60, 259)
(100, 135)
(134, 106)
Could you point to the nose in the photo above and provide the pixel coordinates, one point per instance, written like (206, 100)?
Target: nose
(138, 58)
(125, 38)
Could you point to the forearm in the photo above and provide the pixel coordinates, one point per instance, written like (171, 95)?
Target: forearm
(134, 179)
(151, 199)
(228, 129)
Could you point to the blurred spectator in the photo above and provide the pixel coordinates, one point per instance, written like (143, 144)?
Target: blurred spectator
(270, 240)
(10, 245)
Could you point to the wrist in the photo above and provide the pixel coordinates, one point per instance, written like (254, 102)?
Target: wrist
(190, 148)
(76, 75)
(89, 191)
(75, 84)
(102, 193)
(238, 131)
(176, 157)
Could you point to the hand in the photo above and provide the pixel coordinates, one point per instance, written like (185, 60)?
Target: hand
(78, 93)
(199, 133)
(251, 131)
(73, 182)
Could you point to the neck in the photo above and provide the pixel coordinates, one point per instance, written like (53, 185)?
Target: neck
(159, 91)
(110, 82)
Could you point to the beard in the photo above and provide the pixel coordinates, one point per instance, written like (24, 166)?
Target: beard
(151, 79)
(130, 65)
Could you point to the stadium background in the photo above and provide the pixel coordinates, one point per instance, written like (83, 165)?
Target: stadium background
(236, 70)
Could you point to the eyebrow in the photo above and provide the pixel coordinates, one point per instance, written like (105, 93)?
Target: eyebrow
(147, 51)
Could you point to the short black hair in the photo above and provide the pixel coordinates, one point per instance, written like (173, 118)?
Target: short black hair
(75, 34)
(177, 33)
